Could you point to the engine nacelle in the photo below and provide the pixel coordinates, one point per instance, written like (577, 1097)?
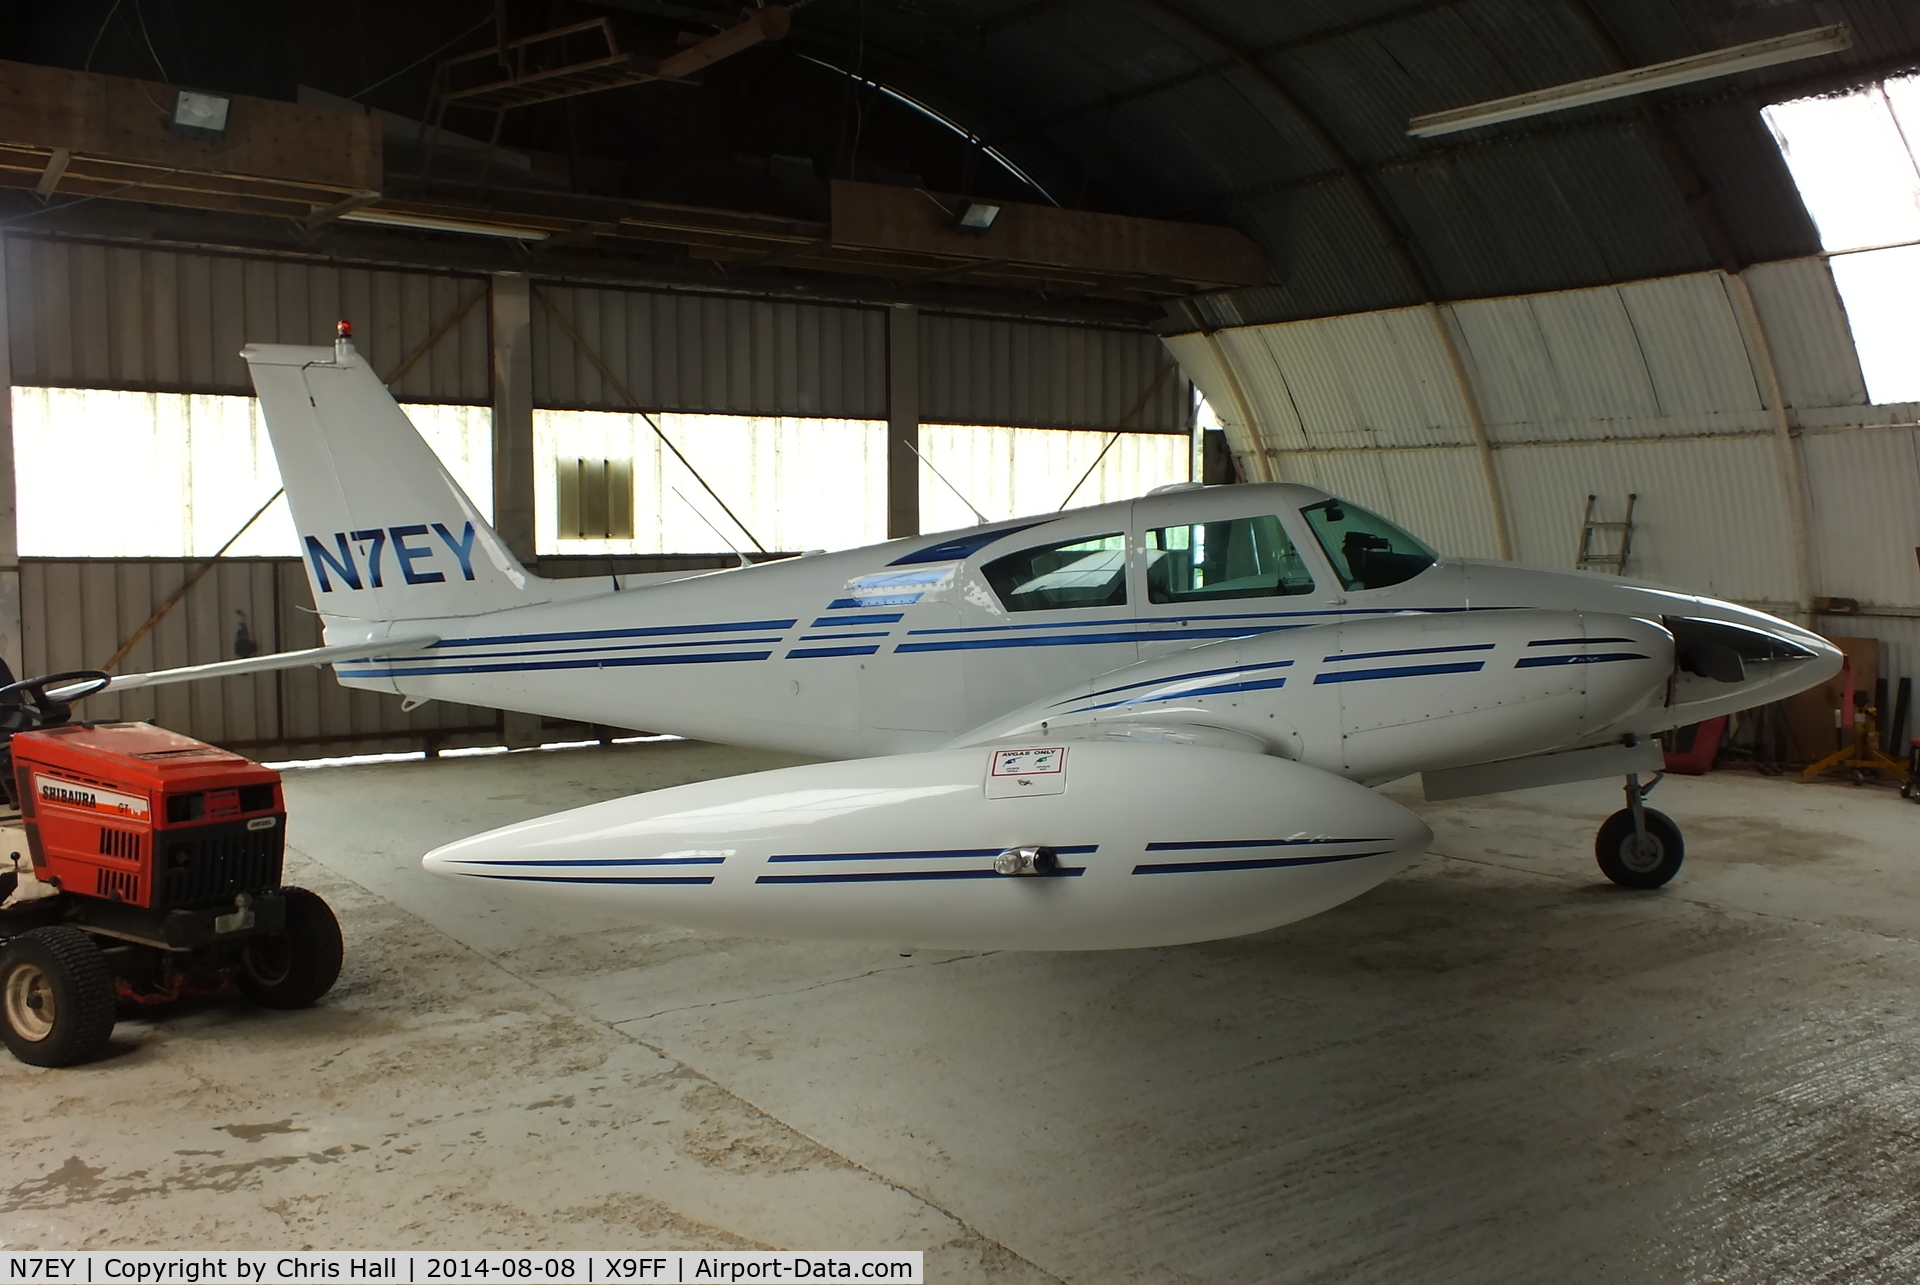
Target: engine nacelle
(1038, 845)
(1378, 698)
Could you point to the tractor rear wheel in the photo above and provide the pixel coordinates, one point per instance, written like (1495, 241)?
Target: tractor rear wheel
(294, 968)
(56, 997)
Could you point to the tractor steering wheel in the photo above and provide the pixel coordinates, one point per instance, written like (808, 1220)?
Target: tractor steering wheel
(30, 706)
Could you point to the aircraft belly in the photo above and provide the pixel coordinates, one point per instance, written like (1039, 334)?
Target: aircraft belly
(1155, 845)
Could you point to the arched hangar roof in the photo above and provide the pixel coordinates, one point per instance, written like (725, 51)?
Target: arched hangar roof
(1287, 119)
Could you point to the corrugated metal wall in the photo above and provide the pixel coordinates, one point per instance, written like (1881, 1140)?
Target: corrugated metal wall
(77, 612)
(977, 370)
(92, 316)
(82, 315)
(693, 353)
(1653, 387)
(95, 316)
(683, 352)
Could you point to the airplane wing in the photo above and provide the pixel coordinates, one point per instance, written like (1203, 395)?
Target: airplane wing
(255, 664)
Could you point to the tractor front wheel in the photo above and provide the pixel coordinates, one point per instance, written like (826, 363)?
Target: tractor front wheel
(56, 997)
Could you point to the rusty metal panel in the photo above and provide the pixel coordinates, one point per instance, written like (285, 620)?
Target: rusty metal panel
(76, 612)
(976, 370)
(92, 316)
(706, 353)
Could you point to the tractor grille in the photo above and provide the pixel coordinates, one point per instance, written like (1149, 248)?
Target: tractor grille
(207, 865)
(117, 885)
(124, 844)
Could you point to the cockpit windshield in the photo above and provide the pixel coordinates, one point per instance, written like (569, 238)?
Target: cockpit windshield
(1366, 550)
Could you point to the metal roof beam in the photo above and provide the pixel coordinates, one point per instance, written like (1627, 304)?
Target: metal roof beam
(1265, 51)
(1371, 201)
(1699, 198)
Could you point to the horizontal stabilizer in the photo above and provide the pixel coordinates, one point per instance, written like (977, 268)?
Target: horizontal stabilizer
(256, 664)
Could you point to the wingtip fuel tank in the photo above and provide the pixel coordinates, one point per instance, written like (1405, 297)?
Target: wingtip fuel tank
(1033, 845)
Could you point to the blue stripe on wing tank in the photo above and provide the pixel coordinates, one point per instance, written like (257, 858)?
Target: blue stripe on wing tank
(1293, 847)
(544, 870)
(816, 653)
(910, 874)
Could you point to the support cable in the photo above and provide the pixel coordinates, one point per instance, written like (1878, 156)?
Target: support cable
(634, 403)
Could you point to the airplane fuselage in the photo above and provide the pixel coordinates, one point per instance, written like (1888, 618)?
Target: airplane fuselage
(902, 646)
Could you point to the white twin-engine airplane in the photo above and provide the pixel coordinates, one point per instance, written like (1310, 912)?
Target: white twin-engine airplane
(1134, 724)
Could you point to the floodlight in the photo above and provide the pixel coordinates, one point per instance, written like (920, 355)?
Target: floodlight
(977, 217)
(200, 115)
(1638, 80)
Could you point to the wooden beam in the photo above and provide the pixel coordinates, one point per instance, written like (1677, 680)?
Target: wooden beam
(116, 118)
(768, 23)
(328, 213)
(874, 217)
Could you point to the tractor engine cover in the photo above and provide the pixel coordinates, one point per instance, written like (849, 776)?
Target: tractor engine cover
(135, 814)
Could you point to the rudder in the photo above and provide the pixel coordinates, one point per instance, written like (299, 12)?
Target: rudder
(384, 529)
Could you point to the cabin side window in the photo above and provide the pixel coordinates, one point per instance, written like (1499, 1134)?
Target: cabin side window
(1083, 572)
(1237, 558)
(1366, 550)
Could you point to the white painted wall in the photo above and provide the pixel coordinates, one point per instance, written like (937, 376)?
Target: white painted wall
(1654, 388)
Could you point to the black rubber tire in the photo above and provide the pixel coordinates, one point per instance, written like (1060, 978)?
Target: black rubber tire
(295, 968)
(61, 967)
(1614, 849)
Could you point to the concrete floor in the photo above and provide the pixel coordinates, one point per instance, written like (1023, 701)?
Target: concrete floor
(1493, 1068)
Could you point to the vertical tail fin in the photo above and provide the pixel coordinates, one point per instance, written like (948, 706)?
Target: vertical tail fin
(386, 532)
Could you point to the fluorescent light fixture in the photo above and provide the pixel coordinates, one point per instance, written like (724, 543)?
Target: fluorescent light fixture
(200, 115)
(1638, 80)
(434, 223)
(977, 217)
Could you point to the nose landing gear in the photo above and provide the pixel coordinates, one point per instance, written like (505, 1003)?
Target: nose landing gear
(1638, 847)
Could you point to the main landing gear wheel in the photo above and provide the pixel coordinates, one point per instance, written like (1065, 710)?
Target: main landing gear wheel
(56, 997)
(294, 968)
(1636, 860)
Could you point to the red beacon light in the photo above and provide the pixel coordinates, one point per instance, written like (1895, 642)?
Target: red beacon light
(344, 329)
(343, 344)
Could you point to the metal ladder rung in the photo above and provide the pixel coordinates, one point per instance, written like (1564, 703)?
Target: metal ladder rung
(1588, 558)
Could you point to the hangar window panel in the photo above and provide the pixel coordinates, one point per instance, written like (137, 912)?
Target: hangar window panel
(169, 475)
(1015, 472)
(1083, 572)
(794, 483)
(1856, 161)
(1239, 558)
